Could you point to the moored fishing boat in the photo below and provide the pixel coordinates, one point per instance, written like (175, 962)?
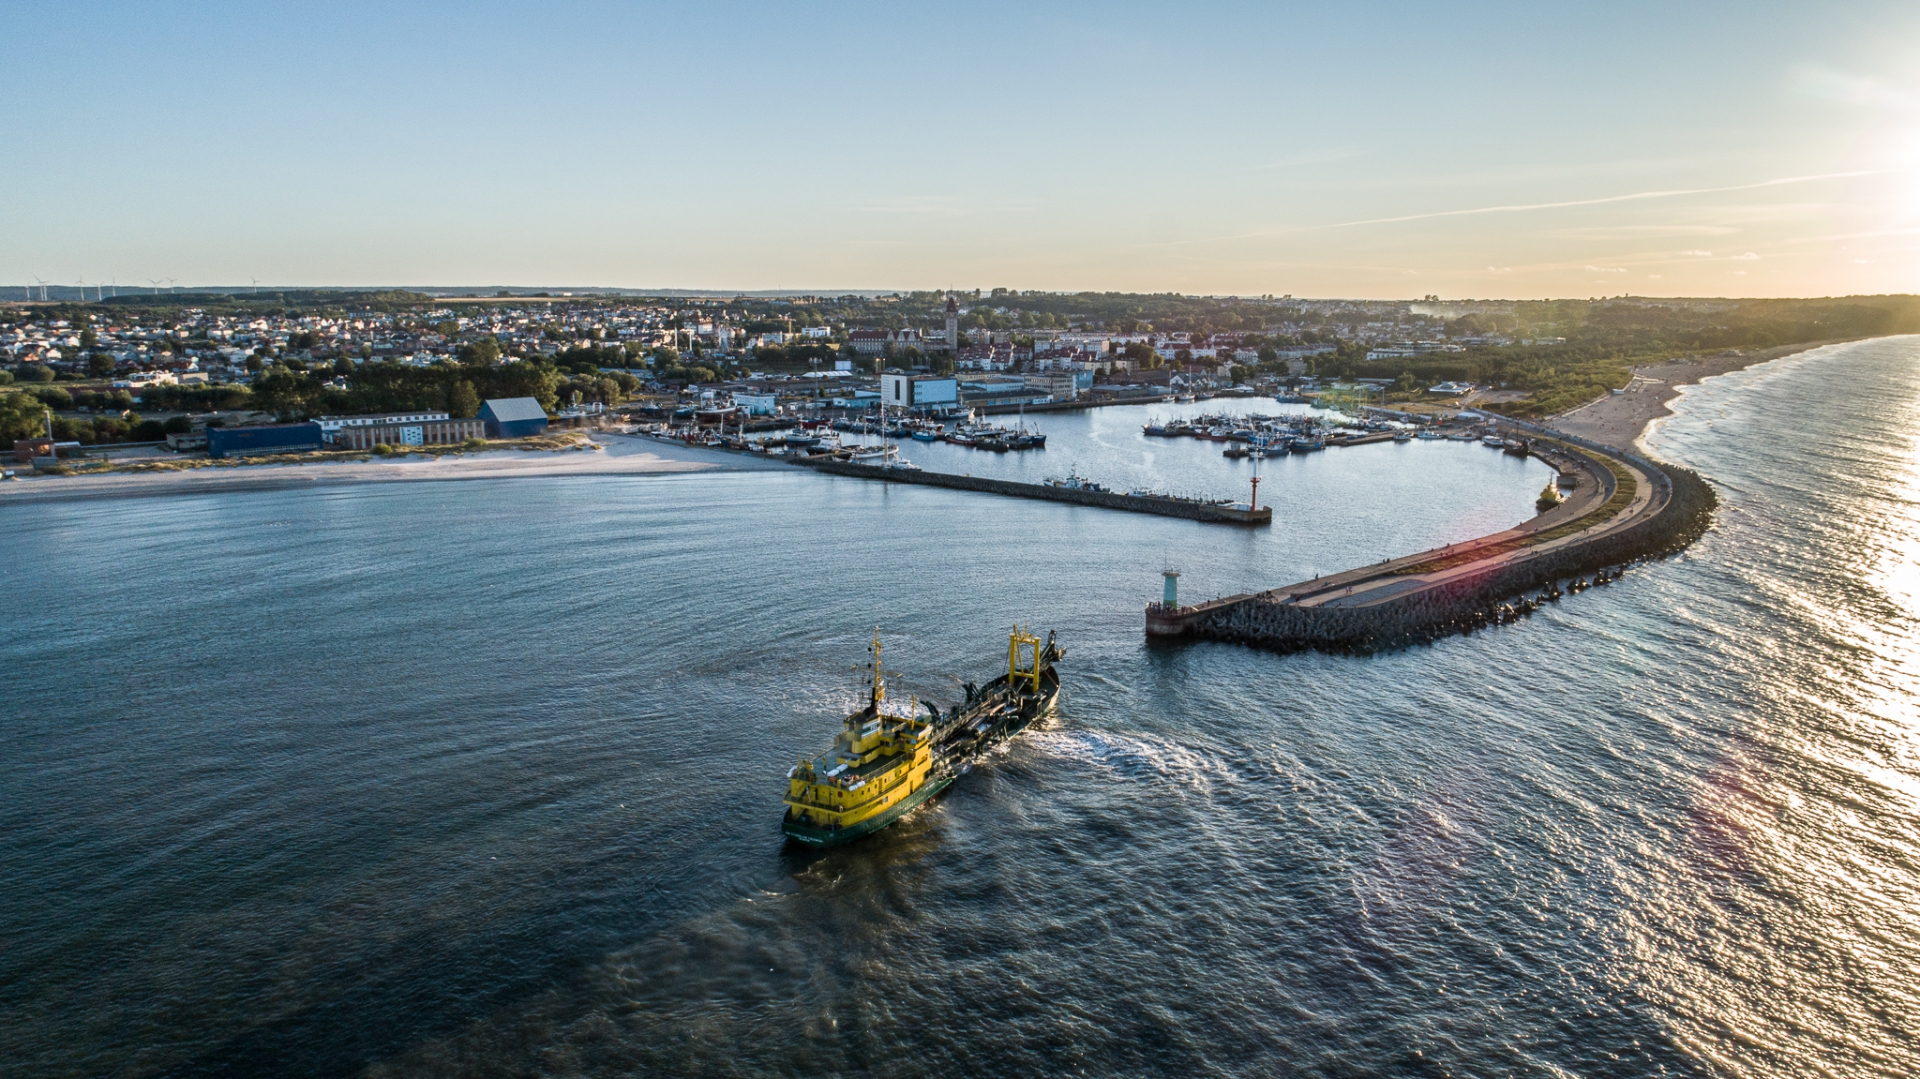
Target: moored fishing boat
(1074, 482)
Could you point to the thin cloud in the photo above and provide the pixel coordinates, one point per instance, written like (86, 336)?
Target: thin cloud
(1313, 157)
(1828, 85)
(1748, 257)
(1697, 254)
(1606, 232)
(1635, 197)
(1603, 269)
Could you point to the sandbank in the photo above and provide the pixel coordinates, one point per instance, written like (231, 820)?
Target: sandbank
(611, 455)
(1618, 420)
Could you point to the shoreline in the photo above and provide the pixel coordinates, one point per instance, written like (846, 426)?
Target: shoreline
(1621, 420)
(612, 455)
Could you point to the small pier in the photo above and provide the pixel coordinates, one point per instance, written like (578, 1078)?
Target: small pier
(1233, 513)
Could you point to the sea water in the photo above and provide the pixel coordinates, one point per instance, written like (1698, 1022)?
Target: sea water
(485, 777)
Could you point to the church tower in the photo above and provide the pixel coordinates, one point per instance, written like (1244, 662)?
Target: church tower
(953, 325)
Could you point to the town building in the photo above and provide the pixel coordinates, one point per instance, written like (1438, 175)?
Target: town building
(756, 404)
(1000, 390)
(1059, 385)
(223, 442)
(513, 417)
(918, 391)
(333, 425)
(875, 342)
(434, 432)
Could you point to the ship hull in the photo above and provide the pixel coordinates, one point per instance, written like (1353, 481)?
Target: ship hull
(833, 837)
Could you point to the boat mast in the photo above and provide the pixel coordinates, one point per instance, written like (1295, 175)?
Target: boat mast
(1016, 673)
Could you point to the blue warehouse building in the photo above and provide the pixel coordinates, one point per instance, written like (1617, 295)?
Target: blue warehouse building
(273, 438)
(514, 417)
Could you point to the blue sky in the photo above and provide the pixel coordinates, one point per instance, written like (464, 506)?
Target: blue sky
(1323, 150)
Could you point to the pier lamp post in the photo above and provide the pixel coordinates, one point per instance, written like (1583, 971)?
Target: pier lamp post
(1170, 594)
(1254, 502)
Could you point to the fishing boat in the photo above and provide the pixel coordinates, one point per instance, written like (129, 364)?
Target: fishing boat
(1074, 482)
(885, 763)
(925, 434)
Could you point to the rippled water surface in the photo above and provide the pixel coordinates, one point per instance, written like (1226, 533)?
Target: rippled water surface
(483, 778)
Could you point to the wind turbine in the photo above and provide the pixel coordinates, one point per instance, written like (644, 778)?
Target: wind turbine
(43, 287)
(170, 282)
(83, 289)
(256, 286)
(155, 282)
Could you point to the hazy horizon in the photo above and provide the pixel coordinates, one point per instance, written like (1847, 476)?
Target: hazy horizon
(1369, 152)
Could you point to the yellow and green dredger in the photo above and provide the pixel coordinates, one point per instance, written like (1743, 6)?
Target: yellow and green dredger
(883, 764)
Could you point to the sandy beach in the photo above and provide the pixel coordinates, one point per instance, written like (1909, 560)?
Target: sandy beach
(1619, 420)
(613, 455)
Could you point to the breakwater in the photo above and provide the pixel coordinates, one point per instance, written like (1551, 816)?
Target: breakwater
(1397, 604)
(1209, 512)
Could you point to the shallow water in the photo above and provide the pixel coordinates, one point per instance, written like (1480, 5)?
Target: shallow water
(483, 778)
